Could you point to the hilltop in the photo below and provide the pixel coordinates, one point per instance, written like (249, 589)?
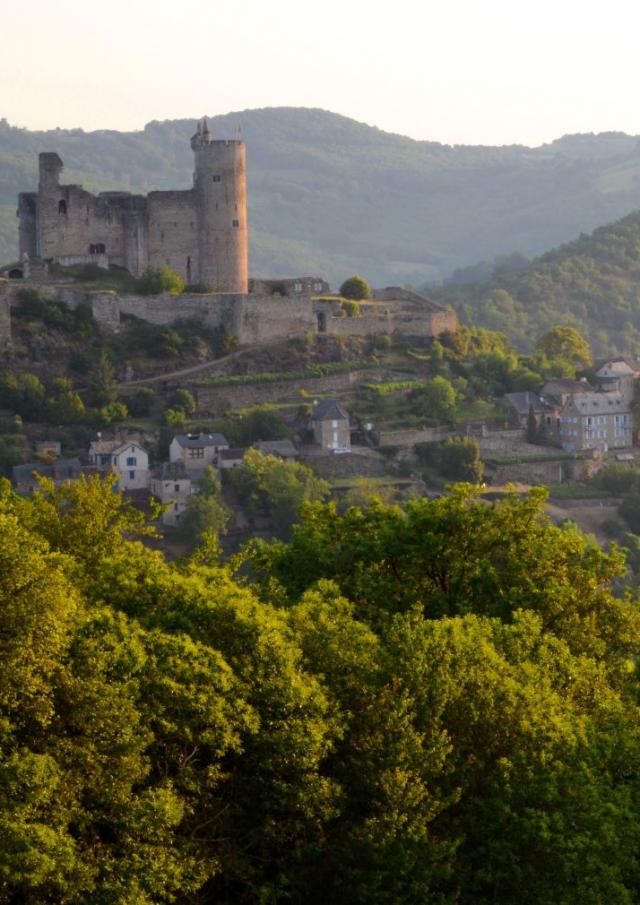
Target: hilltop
(592, 283)
(331, 196)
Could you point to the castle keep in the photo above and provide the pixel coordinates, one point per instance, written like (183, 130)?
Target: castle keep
(201, 233)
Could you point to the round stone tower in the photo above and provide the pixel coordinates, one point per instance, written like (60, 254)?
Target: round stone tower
(220, 186)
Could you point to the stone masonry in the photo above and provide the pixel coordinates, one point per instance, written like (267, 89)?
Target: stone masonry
(201, 232)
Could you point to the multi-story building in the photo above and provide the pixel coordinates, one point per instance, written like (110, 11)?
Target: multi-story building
(171, 484)
(596, 421)
(127, 459)
(197, 451)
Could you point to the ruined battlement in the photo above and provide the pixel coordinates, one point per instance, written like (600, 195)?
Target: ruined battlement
(200, 233)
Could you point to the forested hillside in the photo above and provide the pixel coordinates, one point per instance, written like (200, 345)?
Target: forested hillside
(592, 283)
(331, 196)
(433, 704)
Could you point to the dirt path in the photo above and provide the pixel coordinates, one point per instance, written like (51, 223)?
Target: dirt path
(201, 368)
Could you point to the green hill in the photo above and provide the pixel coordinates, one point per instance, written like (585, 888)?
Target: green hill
(592, 283)
(332, 196)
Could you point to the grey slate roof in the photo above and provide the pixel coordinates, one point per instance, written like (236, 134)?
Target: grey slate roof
(283, 448)
(600, 403)
(171, 471)
(329, 410)
(233, 454)
(632, 363)
(59, 470)
(560, 386)
(195, 441)
(522, 402)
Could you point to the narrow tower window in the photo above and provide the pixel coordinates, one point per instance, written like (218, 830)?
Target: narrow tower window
(235, 223)
(216, 178)
(188, 270)
(62, 207)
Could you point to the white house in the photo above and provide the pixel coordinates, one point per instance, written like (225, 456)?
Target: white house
(171, 484)
(128, 460)
(197, 451)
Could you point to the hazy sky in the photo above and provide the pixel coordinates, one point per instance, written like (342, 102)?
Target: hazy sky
(493, 72)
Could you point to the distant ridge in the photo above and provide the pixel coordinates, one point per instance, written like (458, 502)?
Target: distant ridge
(592, 283)
(332, 196)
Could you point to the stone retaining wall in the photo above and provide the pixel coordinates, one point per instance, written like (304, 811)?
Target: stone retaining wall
(211, 400)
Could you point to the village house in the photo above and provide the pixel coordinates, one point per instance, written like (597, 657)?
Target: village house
(197, 451)
(600, 421)
(127, 459)
(330, 424)
(283, 449)
(520, 404)
(231, 458)
(25, 477)
(171, 485)
(618, 374)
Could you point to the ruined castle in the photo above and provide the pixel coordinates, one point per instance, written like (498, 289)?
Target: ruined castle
(201, 233)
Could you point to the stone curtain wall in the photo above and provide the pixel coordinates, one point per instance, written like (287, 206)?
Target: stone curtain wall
(254, 319)
(173, 233)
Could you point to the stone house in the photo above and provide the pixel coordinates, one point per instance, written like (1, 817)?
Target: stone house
(230, 458)
(600, 421)
(618, 374)
(25, 477)
(330, 423)
(127, 459)
(197, 451)
(171, 484)
(283, 449)
(520, 404)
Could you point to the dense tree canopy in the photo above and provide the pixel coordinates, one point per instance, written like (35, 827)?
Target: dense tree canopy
(435, 703)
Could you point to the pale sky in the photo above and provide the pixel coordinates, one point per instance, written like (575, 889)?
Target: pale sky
(456, 71)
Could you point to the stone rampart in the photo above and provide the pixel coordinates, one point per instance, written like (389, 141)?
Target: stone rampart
(253, 319)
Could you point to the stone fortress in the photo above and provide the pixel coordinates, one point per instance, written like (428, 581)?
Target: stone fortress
(201, 233)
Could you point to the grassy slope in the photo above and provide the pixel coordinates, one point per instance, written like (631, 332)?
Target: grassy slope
(332, 196)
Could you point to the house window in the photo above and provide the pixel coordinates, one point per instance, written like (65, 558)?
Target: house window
(62, 206)
(215, 178)
(297, 286)
(235, 223)
(334, 424)
(131, 460)
(196, 453)
(317, 286)
(132, 475)
(176, 487)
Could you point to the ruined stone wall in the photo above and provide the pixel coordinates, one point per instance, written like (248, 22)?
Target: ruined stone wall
(272, 318)
(173, 233)
(443, 321)
(105, 307)
(221, 310)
